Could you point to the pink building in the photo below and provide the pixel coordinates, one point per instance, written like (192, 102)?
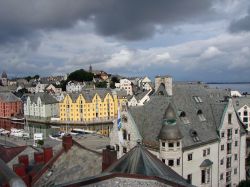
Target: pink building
(10, 105)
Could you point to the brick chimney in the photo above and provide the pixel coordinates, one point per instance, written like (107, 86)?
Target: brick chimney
(24, 159)
(109, 156)
(67, 142)
(47, 153)
(38, 157)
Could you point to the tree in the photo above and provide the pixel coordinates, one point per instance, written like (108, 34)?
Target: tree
(113, 81)
(36, 77)
(80, 76)
(101, 84)
(28, 78)
(244, 183)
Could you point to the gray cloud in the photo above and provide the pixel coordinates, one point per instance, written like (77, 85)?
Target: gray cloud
(242, 24)
(128, 19)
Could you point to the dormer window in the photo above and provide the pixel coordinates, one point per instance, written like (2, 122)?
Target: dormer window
(200, 115)
(197, 99)
(194, 135)
(183, 117)
(124, 119)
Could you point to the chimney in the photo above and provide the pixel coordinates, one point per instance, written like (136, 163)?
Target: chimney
(109, 156)
(47, 153)
(19, 169)
(38, 157)
(166, 81)
(67, 142)
(24, 159)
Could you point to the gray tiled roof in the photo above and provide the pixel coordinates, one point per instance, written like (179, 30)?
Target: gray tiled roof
(140, 161)
(45, 98)
(149, 117)
(239, 102)
(8, 97)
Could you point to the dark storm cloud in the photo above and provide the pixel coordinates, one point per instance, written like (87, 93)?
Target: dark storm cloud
(242, 24)
(127, 19)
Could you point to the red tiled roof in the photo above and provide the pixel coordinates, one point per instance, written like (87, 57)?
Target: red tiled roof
(8, 153)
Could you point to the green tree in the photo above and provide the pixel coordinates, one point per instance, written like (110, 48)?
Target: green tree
(36, 77)
(101, 84)
(244, 183)
(80, 75)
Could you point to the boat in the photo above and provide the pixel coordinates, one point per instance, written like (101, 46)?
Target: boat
(15, 119)
(19, 133)
(81, 131)
(5, 132)
(57, 136)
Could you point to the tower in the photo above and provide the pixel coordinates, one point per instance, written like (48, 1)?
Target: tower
(90, 68)
(166, 82)
(4, 79)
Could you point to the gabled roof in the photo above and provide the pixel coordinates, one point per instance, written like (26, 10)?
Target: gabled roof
(45, 98)
(8, 97)
(140, 161)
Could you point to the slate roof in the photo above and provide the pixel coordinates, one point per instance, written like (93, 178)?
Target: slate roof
(8, 97)
(141, 94)
(239, 102)
(140, 161)
(212, 106)
(45, 98)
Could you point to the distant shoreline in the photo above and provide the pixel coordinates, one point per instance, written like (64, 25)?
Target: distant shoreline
(227, 82)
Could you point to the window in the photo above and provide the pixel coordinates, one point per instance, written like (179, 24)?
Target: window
(228, 176)
(124, 134)
(117, 147)
(236, 131)
(170, 145)
(163, 160)
(178, 162)
(190, 156)
(229, 162)
(163, 144)
(239, 113)
(222, 147)
(171, 162)
(245, 113)
(200, 115)
(129, 137)
(124, 150)
(208, 151)
(221, 176)
(235, 171)
(189, 178)
(204, 153)
(203, 176)
(229, 134)
(178, 144)
(245, 119)
(235, 157)
(236, 143)
(222, 134)
(229, 148)
(222, 161)
(229, 118)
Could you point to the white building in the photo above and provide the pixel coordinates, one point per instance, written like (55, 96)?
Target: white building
(52, 89)
(145, 83)
(242, 106)
(139, 98)
(41, 106)
(195, 131)
(126, 85)
(74, 86)
(40, 87)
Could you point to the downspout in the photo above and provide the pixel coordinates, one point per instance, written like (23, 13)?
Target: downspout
(182, 164)
(218, 175)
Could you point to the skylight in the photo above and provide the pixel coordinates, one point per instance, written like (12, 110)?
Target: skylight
(197, 99)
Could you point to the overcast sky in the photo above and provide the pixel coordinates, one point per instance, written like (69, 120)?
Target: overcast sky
(206, 40)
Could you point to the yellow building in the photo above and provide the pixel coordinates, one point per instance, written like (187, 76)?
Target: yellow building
(91, 106)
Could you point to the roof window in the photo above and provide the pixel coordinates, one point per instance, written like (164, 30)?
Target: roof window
(184, 118)
(200, 115)
(194, 135)
(197, 99)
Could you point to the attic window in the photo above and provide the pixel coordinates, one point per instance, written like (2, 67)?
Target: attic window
(183, 117)
(194, 135)
(200, 115)
(197, 99)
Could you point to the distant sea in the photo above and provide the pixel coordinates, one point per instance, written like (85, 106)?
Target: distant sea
(241, 87)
